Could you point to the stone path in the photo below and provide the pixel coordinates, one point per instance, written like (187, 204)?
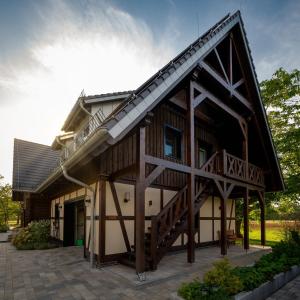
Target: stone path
(63, 274)
(291, 291)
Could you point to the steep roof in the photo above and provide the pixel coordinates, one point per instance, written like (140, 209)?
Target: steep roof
(32, 164)
(147, 96)
(76, 112)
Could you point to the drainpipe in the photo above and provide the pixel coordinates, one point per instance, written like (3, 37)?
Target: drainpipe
(83, 108)
(68, 177)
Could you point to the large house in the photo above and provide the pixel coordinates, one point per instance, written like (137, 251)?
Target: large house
(144, 172)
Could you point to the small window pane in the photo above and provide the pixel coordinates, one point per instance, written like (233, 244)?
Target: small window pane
(172, 143)
(202, 156)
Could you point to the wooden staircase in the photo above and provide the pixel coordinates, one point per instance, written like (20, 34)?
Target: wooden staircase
(167, 226)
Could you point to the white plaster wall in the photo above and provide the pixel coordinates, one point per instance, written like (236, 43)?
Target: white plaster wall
(107, 107)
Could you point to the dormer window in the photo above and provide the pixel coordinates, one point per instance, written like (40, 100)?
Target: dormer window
(173, 143)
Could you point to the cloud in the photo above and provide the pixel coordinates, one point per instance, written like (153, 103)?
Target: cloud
(101, 49)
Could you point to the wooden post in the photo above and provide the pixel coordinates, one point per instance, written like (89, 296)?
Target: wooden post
(102, 214)
(191, 176)
(246, 219)
(262, 218)
(223, 226)
(140, 204)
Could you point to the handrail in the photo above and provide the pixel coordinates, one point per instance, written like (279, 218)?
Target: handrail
(83, 134)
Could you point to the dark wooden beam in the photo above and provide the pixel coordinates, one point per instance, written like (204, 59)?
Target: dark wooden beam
(246, 219)
(119, 213)
(216, 76)
(238, 83)
(221, 65)
(167, 164)
(223, 227)
(153, 175)
(191, 175)
(219, 103)
(261, 199)
(102, 214)
(140, 203)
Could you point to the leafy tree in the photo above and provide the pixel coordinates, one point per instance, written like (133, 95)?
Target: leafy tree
(281, 96)
(9, 210)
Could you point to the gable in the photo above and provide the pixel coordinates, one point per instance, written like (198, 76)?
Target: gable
(208, 56)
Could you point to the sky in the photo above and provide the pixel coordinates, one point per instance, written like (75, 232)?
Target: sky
(51, 50)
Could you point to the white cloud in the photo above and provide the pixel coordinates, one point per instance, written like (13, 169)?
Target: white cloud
(102, 49)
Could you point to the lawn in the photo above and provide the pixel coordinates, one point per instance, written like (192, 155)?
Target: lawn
(274, 232)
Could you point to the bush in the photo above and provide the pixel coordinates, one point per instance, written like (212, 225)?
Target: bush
(222, 281)
(4, 227)
(197, 290)
(222, 276)
(35, 236)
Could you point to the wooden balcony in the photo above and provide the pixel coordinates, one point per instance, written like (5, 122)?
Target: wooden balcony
(227, 165)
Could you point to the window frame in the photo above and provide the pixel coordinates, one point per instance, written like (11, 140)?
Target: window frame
(180, 132)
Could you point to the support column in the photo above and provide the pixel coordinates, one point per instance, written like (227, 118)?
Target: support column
(246, 219)
(262, 218)
(191, 176)
(102, 214)
(223, 226)
(140, 204)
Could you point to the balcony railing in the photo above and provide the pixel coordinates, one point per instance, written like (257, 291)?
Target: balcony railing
(228, 165)
(84, 133)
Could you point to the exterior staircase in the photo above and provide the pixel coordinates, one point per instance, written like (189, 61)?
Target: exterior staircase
(167, 226)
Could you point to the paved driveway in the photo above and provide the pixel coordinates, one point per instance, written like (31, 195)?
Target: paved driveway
(63, 274)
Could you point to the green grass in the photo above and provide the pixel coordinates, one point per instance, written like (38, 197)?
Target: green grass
(274, 234)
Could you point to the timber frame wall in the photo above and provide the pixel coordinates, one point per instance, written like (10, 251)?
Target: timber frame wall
(212, 92)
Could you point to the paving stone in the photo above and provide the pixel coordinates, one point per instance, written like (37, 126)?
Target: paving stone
(62, 274)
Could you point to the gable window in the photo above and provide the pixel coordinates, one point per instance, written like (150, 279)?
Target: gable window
(172, 146)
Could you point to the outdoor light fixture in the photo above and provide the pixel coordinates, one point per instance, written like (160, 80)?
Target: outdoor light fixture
(60, 206)
(150, 202)
(127, 197)
(87, 201)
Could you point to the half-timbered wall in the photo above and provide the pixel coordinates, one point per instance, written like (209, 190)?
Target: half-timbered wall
(155, 200)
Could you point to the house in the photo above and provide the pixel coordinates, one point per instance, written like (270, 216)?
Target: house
(145, 172)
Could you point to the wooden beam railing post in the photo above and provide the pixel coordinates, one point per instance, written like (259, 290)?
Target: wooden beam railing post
(140, 204)
(246, 219)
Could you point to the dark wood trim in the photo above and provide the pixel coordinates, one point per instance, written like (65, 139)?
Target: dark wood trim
(161, 199)
(261, 200)
(167, 164)
(140, 202)
(125, 171)
(102, 213)
(246, 219)
(153, 175)
(191, 175)
(119, 212)
(214, 218)
(223, 227)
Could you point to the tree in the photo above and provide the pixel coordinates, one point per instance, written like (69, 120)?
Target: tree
(281, 96)
(9, 210)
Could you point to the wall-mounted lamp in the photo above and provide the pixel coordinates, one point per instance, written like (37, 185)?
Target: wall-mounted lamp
(60, 206)
(126, 197)
(87, 201)
(150, 202)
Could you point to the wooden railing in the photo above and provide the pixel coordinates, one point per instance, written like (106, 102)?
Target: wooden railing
(84, 133)
(228, 165)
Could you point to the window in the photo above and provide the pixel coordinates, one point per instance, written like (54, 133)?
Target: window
(56, 213)
(172, 147)
(202, 156)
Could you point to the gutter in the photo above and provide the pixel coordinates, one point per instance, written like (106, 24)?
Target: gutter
(83, 108)
(80, 183)
(96, 139)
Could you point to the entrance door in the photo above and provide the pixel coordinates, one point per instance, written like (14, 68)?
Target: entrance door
(73, 222)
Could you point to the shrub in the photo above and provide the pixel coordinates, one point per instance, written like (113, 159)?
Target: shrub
(250, 277)
(4, 227)
(35, 236)
(222, 275)
(197, 290)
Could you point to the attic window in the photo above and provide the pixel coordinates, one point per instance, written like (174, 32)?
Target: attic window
(173, 145)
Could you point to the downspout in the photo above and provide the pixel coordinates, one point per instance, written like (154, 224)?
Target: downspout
(83, 108)
(68, 177)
